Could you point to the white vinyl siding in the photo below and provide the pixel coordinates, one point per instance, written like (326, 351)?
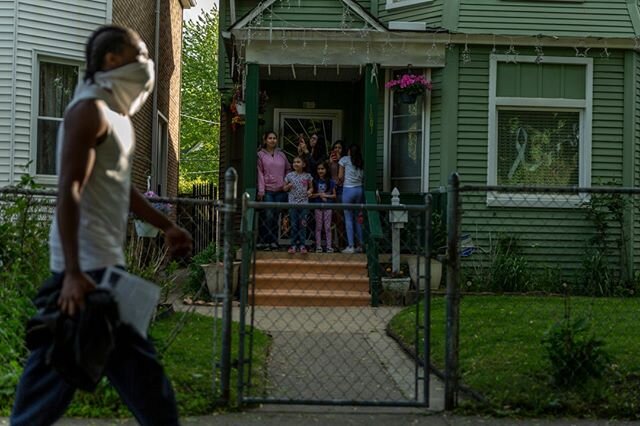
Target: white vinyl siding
(52, 28)
(7, 15)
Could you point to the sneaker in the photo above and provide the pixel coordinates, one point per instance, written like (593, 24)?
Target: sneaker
(292, 250)
(358, 249)
(274, 246)
(319, 249)
(303, 250)
(329, 249)
(348, 250)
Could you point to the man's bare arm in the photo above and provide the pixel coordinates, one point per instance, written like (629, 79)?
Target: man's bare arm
(178, 240)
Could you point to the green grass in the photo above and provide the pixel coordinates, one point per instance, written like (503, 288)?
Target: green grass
(188, 363)
(501, 355)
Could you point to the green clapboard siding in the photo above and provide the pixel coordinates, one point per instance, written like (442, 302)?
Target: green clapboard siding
(549, 237)
(592, 18)
(431, 13)
(436, 130)
(541, 81)
(310, 14)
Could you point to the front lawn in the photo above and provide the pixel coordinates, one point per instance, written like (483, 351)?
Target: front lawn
(188, 363)
(501, 355)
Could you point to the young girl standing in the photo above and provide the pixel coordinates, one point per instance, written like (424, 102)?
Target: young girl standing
(324, 191)
(299, 184)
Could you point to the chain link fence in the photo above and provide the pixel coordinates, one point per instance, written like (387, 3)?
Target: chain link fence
(545, 295)
(325, 295)
(189, 344)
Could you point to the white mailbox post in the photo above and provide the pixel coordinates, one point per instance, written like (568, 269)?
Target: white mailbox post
(397, 218)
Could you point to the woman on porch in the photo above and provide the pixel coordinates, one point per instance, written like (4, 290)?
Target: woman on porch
(351, 174)
(273, 166)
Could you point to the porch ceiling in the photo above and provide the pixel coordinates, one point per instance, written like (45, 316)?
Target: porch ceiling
(310, 73)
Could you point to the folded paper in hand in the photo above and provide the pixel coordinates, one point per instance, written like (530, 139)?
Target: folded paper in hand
(136, 298)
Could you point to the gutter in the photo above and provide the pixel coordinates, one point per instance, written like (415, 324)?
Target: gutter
(154, 118)
(12, 137)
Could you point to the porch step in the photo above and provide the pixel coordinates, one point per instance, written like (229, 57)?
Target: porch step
(301, 265)
(311, 298)
(313, 279)
(324, 257)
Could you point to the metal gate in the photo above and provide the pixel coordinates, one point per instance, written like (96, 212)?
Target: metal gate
(327, 313)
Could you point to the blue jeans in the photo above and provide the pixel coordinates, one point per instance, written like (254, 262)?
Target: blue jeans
(298, 220)
(269, 231)
(43, 396)
(353, 195)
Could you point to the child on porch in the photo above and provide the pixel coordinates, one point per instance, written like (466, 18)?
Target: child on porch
(299, 185)
(324, 191)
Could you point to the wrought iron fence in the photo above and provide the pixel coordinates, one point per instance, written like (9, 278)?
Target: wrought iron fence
(543, 293)
(201, 219)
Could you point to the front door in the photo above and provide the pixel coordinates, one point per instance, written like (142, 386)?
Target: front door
(326, 123)
(292, 123)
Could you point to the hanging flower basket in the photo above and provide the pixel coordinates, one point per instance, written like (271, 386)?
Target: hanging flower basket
(409, 86)
(407, 98)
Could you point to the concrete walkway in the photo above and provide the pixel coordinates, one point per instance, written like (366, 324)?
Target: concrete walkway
(336, 353)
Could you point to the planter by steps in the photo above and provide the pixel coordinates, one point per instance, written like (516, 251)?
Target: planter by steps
(214, 274)
(436, 272)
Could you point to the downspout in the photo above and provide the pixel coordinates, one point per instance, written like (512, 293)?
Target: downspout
(154, 120)
(12, 137)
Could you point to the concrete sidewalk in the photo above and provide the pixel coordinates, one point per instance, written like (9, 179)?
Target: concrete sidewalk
(326, 416)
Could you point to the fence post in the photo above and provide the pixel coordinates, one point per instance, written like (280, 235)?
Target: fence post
(230, 198)
(453, 295)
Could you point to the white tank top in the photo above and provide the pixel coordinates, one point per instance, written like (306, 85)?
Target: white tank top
(104, 204)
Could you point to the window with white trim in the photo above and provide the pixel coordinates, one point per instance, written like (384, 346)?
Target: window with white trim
(539, 124)
(160, 151)
(392, 4)
(406, 140)
(56, 84)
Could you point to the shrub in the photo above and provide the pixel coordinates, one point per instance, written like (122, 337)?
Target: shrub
(573, 350)
(211, 253)
(502, 269)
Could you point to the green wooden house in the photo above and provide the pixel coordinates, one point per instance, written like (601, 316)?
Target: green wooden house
(504, 73)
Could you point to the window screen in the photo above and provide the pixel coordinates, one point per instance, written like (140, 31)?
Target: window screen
(57, 83)
(538, 147)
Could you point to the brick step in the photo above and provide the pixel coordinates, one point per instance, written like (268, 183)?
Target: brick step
(311, 298)
(309, 267)
(285, 280)
(322, 257)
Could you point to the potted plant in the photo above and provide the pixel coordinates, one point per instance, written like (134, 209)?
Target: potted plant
(211, 263)
(395, 284)
(438, 246)
(144, 229)
(408, 86)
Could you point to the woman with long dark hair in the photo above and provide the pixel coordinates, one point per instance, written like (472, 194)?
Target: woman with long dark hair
(273, 166)
(351, 174)
(317, 154)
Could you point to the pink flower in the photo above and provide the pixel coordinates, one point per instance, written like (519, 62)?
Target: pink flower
(410, 83)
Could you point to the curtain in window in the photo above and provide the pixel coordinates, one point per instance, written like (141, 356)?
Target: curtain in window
(406, 145)
(56, 86)
(538, 147)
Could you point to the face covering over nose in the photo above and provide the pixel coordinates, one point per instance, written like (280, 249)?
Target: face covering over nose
(128, 86)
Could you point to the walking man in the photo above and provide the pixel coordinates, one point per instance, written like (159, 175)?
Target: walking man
(94, 158)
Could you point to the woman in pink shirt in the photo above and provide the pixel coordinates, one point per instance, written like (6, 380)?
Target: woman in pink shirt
(273, 166)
